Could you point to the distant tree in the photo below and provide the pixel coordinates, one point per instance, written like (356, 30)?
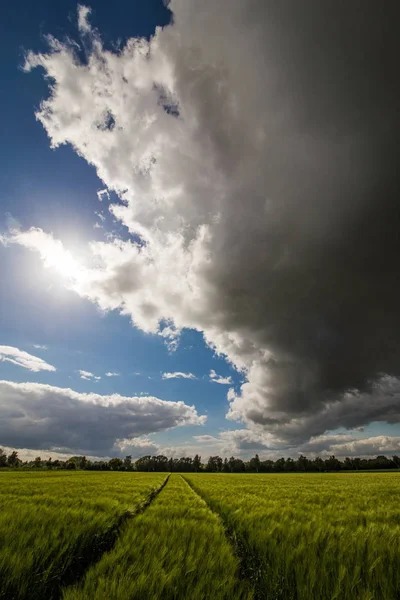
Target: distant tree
(254, 464)
(396, 461)
(143, 463)
(3, 458)
(160, 463)
(303, 464)
(128, 463)
(332, 463)
(279, 465)
(49, 463)
(348, 464)
(236, 465)
(267, 466)
(13, 460)
(290, 465)
(214, 464)
(382, 462)
(197, 463)
(116, 464)
(318, 464)
(80, 462)
(37, 463)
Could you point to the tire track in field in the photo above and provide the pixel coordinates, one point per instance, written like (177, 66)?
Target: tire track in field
(105, 543)
(250, 565)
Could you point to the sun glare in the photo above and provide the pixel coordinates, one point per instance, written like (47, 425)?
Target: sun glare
(62, 262)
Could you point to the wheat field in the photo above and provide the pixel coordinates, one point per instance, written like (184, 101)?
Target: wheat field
(94, 536)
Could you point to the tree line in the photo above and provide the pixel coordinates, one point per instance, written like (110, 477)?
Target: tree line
(215, 464)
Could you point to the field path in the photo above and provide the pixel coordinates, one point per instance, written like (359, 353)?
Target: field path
(250, 565)
(175, 549)
(117, 531)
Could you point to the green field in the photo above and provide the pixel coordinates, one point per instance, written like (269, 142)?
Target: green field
(84, 535)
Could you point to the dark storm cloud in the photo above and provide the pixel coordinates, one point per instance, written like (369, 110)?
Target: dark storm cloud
(317, 281)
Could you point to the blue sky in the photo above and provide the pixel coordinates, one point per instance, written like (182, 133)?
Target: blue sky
(73, 326)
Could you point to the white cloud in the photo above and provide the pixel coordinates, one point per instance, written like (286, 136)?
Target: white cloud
(83, 14)
(24, 359)
(244, 443)
(112, 374)
(103, 194)
(88, 375)
(237, 191)
(218, 379)
(44, 417)
(178, 375)
(137, 447)
(40, 346)
(51, 251)
(205, 438)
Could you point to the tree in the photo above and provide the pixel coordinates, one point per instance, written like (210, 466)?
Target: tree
(279, 465)
(290, 465)
(214, 464)
(254, 464)
(128, 463)
(13, 460)
(267, 466)
(303, 463)
(348, 464)
(395, 459)
(37, 462)
(116, 464)
(3, 458)
(318, 464)
(197, 463)
(332, 463)
(159, 463)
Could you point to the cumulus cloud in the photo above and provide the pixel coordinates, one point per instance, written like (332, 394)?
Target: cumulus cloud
(24, 359)
(112, 374)
(245, 443)
(44, 417)
(256, 170)
(178, 375)
(88, 375)
(218, 379)
(205, 438)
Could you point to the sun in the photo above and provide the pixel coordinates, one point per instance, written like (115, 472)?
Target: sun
(66, 265)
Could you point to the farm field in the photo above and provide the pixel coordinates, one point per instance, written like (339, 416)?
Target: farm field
(319, 536)
(177, 548)
(83, 535)
(53, 523)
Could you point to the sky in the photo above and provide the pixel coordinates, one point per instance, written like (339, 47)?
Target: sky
(199, 228)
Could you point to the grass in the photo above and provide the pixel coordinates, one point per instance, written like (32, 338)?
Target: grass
(176, 549)
(316, 536)
(203, 536)
(52, 525)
